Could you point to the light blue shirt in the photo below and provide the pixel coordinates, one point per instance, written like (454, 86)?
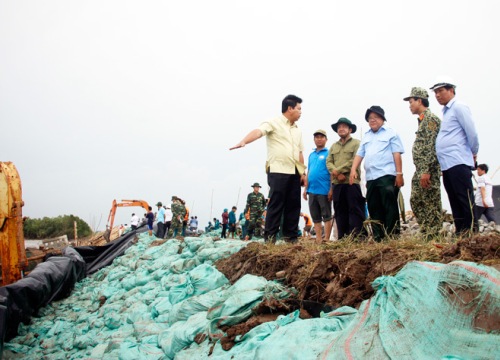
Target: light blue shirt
(457, 139)
(318, 177)
(160, 217)
(377, 149)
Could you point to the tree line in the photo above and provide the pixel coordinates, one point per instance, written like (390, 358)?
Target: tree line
(47, 228)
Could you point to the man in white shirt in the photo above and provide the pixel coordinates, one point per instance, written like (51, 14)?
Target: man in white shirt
(484, 195)
(134, 222)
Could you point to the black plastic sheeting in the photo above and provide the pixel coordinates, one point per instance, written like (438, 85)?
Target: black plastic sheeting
(51, 280)
(54, 279)
(97, 257)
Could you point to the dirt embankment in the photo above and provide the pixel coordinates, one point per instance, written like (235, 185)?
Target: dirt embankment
(339, 273)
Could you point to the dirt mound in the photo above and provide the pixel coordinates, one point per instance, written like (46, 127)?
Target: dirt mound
(340, 273)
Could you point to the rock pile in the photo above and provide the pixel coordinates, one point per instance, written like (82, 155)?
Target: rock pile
(411, 227)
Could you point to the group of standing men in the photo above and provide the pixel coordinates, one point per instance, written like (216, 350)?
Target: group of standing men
(171, 220)
(448, 147)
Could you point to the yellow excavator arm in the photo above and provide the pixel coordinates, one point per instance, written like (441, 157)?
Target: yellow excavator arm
(13, 254)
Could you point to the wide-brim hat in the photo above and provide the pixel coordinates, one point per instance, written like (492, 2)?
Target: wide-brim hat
(346, 121)
(377, 110)
(256, 184)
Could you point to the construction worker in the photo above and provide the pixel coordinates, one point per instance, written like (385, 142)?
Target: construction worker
(308, 225)
(186, 218)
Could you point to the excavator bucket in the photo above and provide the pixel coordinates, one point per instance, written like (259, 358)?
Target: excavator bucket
(107, 235)
(12, 252)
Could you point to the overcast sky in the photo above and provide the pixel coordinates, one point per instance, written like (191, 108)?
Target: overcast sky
(103, 100)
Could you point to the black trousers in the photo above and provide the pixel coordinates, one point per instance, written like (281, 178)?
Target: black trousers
(349, 209)
(382, 199)
(458, 184)
(489, 213)
(160, 230)
(284, 200)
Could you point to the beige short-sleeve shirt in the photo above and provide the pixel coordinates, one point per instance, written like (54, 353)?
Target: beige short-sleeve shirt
(284, 144)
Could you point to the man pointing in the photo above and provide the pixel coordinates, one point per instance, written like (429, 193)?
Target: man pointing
(284, 167)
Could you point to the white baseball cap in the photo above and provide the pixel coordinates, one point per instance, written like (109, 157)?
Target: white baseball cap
(442, 81)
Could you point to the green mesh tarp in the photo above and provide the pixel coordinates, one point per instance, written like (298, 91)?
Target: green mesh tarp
(426, 311)
(149, 303)
(152, 302)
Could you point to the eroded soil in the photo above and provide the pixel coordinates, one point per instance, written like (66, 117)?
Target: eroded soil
(337, 274)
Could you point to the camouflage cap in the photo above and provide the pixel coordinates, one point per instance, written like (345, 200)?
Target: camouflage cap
(417, 92)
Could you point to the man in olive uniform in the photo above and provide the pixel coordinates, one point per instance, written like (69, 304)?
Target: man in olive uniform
(348, 200)
(256, 203)
(425, 197)
(178, 213)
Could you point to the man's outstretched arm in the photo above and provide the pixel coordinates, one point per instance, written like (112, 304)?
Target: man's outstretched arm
(251, 137)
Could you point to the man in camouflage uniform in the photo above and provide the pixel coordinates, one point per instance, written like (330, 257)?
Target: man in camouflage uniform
(178, 213)
(256, 203)
(425, 196)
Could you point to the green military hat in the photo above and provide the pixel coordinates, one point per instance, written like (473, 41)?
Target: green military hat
(417, 92)
(346, 121)
(256, 184)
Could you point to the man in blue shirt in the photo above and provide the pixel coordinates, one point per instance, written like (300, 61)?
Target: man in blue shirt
(457, 145)
(160, 221)
(318, 187)
(381, 148)
(232, 222)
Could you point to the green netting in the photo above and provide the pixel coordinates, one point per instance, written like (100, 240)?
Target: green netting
(239, 300)
(149, 304)
(153, 301)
